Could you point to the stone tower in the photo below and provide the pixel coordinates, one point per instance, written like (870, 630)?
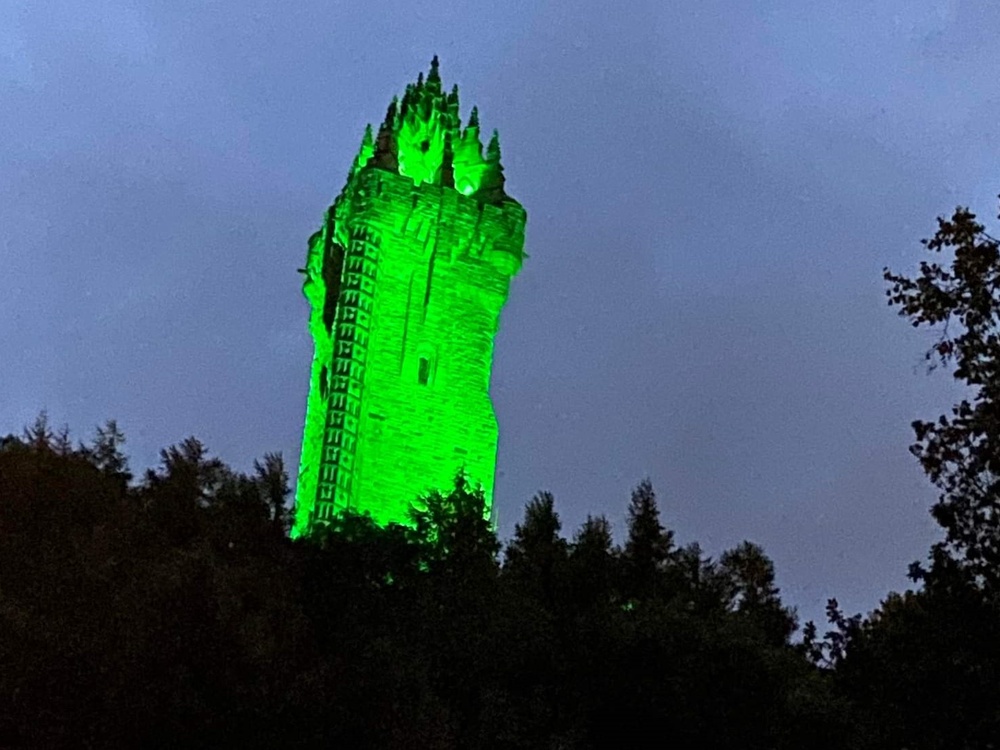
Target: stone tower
(406, 278)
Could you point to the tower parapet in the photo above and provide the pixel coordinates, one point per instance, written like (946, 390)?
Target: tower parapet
(406, 279)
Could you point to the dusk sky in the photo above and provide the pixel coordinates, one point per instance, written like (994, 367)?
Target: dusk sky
(712, 191)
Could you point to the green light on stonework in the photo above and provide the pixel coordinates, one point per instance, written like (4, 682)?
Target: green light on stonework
(420, 125)
(405, 286)
(315, 290)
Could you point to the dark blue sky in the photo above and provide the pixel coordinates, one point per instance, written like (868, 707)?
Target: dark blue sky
(712, 189)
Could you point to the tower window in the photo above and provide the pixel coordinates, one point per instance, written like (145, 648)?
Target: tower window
(424, 371)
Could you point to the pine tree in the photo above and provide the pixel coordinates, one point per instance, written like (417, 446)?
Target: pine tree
(105, 451)
(752, 593)
(593, 564)
(649, 545)
(537, 554)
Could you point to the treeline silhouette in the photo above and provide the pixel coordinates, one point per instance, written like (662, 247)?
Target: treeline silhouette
(173, 610)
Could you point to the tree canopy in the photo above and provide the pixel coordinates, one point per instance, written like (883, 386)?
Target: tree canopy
(175, 610)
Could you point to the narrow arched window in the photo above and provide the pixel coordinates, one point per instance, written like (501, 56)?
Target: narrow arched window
(424, 371)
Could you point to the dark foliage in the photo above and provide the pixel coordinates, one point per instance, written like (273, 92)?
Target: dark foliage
(176, 612)
(923, 670)
(961, 453)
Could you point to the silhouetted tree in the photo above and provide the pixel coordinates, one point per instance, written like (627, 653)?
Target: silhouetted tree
(752, 593)
(923, 669)
(649, 545)
(961, 452)
(105, 451)
(455, 529)
(40, 434)
(537, 554)
(272, 478)
(593, 565)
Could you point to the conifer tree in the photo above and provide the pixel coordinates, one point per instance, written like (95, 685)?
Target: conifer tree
(536, 555)
(105, 450)
(649, 545)
(749, 574)
(593, 564)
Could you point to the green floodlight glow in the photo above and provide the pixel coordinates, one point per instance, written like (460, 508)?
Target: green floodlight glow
(405, 280)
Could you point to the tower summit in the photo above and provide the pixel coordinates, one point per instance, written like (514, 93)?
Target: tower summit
(405, 279)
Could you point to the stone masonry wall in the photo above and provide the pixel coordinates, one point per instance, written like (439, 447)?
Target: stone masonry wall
(444, 267)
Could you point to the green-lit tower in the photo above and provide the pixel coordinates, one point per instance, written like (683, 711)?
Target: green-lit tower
(406, 278)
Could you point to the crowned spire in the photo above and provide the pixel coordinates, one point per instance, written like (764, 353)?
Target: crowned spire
(470, 136)
(422, 138)
(409, 96)
(390, 115)
(451, 104)
(434, 77)
(386, 147)
(493, 150)
(492, 183)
